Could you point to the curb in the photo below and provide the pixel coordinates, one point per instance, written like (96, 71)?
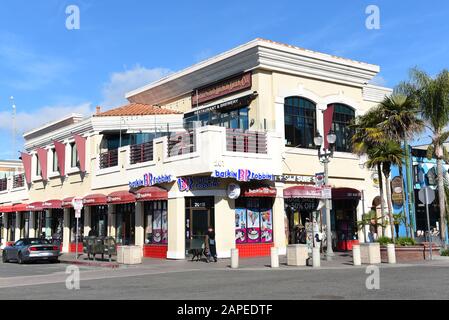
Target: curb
(113, 265)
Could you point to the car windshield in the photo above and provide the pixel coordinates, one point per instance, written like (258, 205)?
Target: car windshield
(36, 241)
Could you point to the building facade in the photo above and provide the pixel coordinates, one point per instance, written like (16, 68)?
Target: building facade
(227, 143)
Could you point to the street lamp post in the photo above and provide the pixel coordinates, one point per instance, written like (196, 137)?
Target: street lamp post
(324, 158)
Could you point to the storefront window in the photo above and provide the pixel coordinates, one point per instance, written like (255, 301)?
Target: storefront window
(73, 226)
(254, 220)
(56, 223)
(125, 223)
(342, 118)
(11, 227)
(300, 122)
(156, 229)
(39, 220)
(234, 119)
(100, 220)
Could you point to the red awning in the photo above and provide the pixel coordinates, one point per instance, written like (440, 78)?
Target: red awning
(6, 209)
(259, 192)
(151, 194)
(67, 202)
(34, 206)
(305, 191)
(345, 193)
(119, 197)
(96, 199)
(19, 207)
(52, 204)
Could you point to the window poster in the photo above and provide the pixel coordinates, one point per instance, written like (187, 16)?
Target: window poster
(253, 231)
(157, 230)
(164, 227)
(240, 225)
(266, 225)
(149, 228)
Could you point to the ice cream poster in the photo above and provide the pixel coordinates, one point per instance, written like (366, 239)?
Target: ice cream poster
(240, 225)
(267, 225)
(253, 231)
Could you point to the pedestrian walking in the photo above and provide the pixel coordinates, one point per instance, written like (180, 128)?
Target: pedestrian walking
(212, 252)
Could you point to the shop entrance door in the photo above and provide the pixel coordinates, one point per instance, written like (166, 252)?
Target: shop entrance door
(200, 219)
(125, 224)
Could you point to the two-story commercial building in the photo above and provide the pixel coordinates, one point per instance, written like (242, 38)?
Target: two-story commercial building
(227, 143)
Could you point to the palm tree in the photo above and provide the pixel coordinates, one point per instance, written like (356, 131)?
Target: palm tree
(386, 154)
(432, 96)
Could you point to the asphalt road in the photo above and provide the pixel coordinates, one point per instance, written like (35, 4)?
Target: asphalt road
(43, 281)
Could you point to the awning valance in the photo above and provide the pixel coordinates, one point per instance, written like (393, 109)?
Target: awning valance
(6, 209)
(34, 206)
(67, 202)
(19, 207)
(151, 194)
(52, 204)
(120, 197)
(345, 193)
(96, 199)
(259, 192)
(305, 191)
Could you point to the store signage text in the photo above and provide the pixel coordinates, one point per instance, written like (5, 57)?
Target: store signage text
(230, 104)
(149, 180)
(236, 83)
(242, 175)
(292, 178)
(196, 183)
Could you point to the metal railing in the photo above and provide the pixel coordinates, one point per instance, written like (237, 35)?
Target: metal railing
(18, 181)
(238, 140)
(109, 159)
(3, 184)
(141, 152)
(181, 143)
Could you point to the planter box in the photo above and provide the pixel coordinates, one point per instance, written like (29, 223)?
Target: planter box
(297, 255)
(370, 253)
(406, 254)
(129, 254)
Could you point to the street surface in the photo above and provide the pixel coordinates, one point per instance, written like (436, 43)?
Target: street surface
(162, 279)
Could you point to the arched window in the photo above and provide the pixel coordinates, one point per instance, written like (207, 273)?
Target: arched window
(300, 122)
(343, 117)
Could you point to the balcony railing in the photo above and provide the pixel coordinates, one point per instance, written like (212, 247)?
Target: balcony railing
(109, 159)
(181, 143)
(3, 184)
(141, 152)
(238, 140)
(18, 181)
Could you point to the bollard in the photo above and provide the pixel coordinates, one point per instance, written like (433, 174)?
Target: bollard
(316, 257)
(234, 258)
(356, 255)
(274, 257)
(391, 253)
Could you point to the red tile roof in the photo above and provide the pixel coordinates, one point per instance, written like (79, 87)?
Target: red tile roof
(136, 109)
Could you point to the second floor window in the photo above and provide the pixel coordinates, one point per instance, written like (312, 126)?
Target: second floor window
(55, 166)
(300, 122)
(74, 160)
(343, 117)
(38, 167)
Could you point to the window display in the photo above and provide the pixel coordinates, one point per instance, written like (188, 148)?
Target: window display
(156, 231)
(254, 220)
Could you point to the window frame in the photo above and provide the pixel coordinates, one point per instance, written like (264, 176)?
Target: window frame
(74, 156)
(150, 209)
(297, 111)
(339, 145)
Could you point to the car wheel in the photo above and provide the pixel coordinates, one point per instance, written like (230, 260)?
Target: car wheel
(4, 259)
(20, 259)
(54, 260)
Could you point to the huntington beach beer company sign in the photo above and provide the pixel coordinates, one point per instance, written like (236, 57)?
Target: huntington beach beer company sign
(149, 180)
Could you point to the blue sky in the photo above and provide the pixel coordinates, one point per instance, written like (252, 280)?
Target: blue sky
(121, 45)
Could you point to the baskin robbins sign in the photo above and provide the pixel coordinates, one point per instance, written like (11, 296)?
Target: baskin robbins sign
(242, 175)
(149, 180)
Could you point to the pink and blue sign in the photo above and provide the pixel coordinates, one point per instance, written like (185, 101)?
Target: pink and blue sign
(242, 175)
(149, 180)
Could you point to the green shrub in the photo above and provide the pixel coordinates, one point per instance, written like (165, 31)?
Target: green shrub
(384, 241)
(404, 241)
(444, 252)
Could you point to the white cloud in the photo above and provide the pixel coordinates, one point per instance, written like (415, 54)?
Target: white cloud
(121, 82)
(26, 121)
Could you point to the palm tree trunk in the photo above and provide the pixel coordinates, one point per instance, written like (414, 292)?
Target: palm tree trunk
(381, 191)
(441, 202)
(403, 204)
(390, 204)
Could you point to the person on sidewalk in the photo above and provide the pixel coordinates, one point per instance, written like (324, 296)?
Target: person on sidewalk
(212, 252)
